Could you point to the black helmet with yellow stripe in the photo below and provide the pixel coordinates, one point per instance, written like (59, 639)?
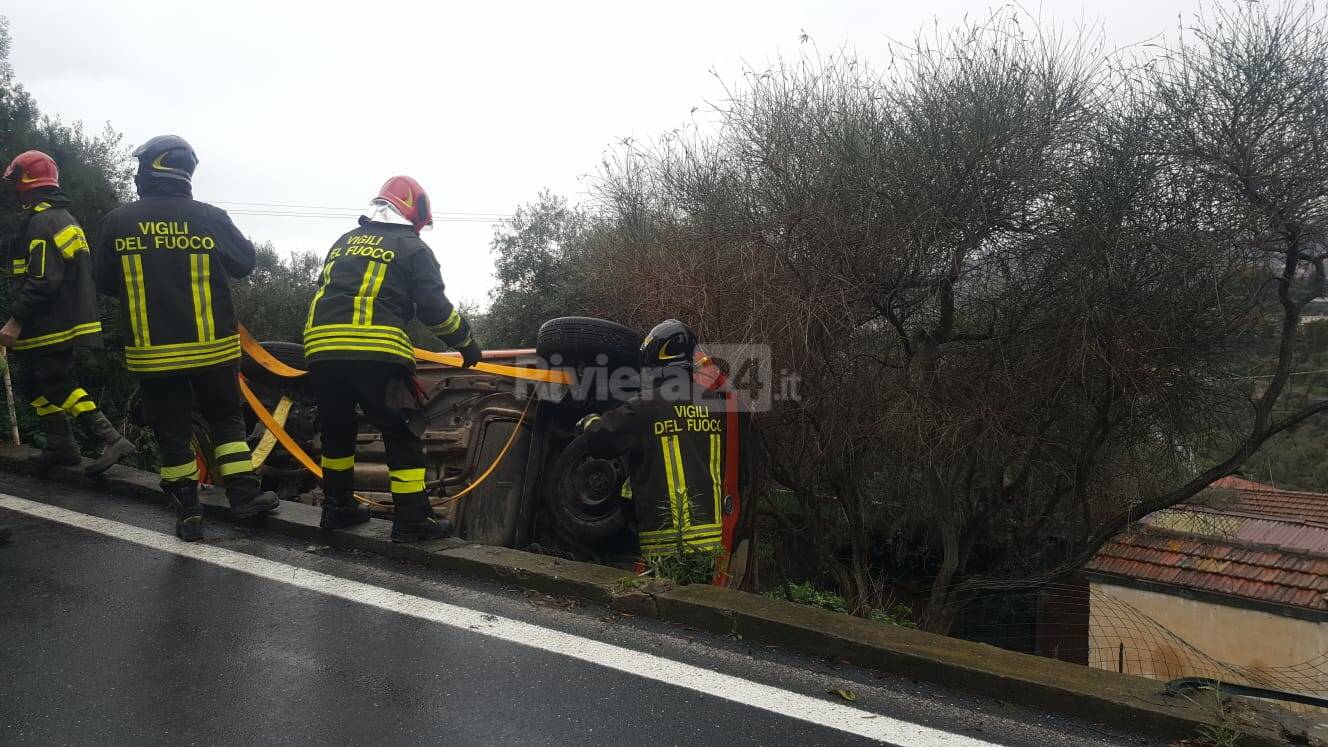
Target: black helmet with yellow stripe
(166, 157)
(670, 343)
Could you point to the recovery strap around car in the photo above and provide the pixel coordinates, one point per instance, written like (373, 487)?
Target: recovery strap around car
(262, 357)
(265, 417)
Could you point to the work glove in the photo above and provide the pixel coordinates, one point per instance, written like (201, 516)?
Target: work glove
(470, 354)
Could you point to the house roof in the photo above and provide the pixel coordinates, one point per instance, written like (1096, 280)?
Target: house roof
(1267, 501)
(1229, 567)
(1258, 543)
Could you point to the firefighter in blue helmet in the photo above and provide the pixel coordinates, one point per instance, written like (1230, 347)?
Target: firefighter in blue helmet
(673, 434)
(170, 259)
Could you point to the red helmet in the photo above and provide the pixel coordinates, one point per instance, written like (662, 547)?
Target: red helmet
(33, 169)
(408, 197)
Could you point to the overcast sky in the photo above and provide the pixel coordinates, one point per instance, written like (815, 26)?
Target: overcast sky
(485, 103)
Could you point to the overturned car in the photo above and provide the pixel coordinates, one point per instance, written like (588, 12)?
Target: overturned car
(505, 464)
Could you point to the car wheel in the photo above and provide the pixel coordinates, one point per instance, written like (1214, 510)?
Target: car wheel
(581, 339)
(290, 353)
(586, 494)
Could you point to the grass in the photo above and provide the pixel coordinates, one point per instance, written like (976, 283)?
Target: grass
(811, 596)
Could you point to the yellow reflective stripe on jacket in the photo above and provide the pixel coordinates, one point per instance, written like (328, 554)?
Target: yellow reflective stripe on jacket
(43, 406)
(679, 509)
(180, 472)
(200, 278)
(136, 299)
(20, 266)
(407, 480)
(337, 464)
(37, 246)
(41, 207)
(86, 405)
(369, 287)
(71, 240)
(448, 326)
(54, 338)
(182, 355)
(349, 337)
(322, 287)
(717, 473)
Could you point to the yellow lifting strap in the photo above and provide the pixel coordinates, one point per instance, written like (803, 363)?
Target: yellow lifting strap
(265, 359)
(284, 438)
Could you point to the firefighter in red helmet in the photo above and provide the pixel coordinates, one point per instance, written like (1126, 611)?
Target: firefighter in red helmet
(54, 313)
(375, 279)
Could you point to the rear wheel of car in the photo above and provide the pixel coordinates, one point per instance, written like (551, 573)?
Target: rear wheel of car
(582, 339)
(586, 494)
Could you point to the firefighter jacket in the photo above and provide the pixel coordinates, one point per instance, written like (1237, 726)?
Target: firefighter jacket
(51, 270)
(170, 260)
(375, 279)
(675, 452)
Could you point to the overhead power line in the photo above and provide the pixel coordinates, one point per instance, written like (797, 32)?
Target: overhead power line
(328, 212)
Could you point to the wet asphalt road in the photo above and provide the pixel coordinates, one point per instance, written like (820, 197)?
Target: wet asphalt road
(109, 642)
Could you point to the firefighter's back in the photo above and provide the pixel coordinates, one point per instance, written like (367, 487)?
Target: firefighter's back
(172, 259)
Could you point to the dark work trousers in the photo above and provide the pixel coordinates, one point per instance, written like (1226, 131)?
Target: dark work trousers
(47, 379)
(386, 394)
(169, 405)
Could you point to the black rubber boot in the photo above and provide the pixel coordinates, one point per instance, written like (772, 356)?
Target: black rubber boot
(413, 519)
(116, 446)
(5, 534)
(340, 509)
(188, 511)
(247, 498)
(61, 449)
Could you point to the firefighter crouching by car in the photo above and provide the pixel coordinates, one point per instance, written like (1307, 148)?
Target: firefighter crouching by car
(170, 260)
(375, 278)
(673, 435)
(53, 313)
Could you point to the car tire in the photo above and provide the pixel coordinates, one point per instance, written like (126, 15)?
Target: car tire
(586, 494)
(582, 339)
(290, 353)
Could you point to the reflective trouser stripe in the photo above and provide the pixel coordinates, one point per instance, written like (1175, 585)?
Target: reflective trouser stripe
(407, 480)
(44, 407)
(187, 471)
(233, 457)
(337, 464)
(200, 278)
(136, 299)
(73, 398)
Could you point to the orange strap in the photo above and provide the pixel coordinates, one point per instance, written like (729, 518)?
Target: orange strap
(303, 457)
(265, 359)
(275, 428)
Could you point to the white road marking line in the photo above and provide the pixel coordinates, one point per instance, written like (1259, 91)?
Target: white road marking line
(708, 682)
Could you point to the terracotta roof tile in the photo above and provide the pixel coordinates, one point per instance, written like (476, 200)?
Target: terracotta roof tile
(1217, 565)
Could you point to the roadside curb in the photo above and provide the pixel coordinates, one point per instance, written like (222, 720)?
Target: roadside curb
(1068, 689)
